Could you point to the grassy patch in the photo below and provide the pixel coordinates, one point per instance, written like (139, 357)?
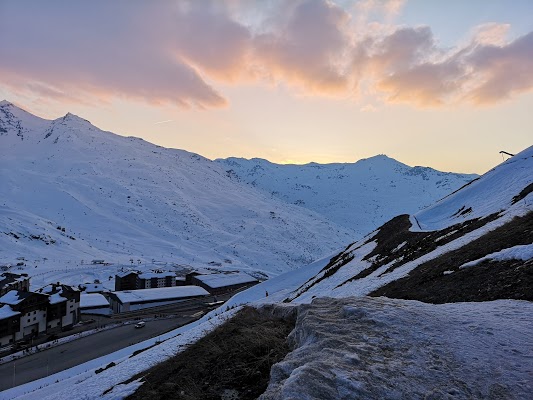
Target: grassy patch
(232, 361)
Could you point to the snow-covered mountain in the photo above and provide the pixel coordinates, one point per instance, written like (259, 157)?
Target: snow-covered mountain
(360, 196)
(474, 246)
(70, 191)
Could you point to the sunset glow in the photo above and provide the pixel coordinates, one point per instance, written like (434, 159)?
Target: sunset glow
(443, 84)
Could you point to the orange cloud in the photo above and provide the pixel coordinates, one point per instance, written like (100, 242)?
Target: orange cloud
(176, 52)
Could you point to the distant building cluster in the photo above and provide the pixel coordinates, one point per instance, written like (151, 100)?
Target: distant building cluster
(10, 281)
(25, 314)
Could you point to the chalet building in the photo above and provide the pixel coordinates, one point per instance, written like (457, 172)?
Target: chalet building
(134, 280)
(9, 324)
(23, 315)
(126, 280)
(10, 281)
(63, 306)
(131, 300)
(224, 282)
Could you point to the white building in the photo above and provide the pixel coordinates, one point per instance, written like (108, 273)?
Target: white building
(130, 300)
(23, 315)
(63, 306)
(94, 303)
(223, 282)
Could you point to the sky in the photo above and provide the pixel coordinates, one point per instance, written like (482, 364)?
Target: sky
(446, 84)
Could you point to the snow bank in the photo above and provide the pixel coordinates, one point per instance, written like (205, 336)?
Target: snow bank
(377, 348)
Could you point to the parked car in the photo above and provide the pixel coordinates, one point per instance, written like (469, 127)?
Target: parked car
(140, 325)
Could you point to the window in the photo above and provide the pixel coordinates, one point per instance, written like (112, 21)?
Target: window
(29, 320)
(34, 318)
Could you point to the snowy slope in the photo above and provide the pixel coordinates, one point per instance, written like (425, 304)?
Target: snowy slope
(360, 196)
(493, 193)
(71, 193)
(384, 348)
(420, 256)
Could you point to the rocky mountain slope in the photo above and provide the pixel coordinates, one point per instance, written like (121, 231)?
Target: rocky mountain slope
(360, 196)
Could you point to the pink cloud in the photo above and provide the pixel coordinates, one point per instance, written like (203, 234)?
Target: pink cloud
(177, 52)
(503, 71)
(100, 47)
(307, 48)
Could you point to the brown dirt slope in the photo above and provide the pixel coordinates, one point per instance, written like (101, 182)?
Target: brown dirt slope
(233, 361)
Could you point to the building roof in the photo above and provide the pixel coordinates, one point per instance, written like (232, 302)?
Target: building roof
(93, 300)
(56, 298)
(167, 293)
(223, 280)
(150, 275)
(126, 273)
(14, 297)
(93, 287)
(7, 278)
(7, 312)
(146, 275)
(57, 292)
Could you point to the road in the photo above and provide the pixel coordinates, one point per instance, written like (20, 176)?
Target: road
(70, 354)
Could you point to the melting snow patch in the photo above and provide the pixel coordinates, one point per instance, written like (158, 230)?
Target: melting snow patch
(399, 246)
(445, 236)
(521, 252)
(378, 348)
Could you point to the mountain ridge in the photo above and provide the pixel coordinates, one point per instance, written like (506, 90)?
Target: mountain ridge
(121, 198)
(380, 187)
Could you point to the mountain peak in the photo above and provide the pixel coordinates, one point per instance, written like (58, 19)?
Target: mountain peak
(5, 103)
(69, 117)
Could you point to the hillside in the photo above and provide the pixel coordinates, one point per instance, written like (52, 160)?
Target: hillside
(360, 196)
(475, 245)
(72, 193)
